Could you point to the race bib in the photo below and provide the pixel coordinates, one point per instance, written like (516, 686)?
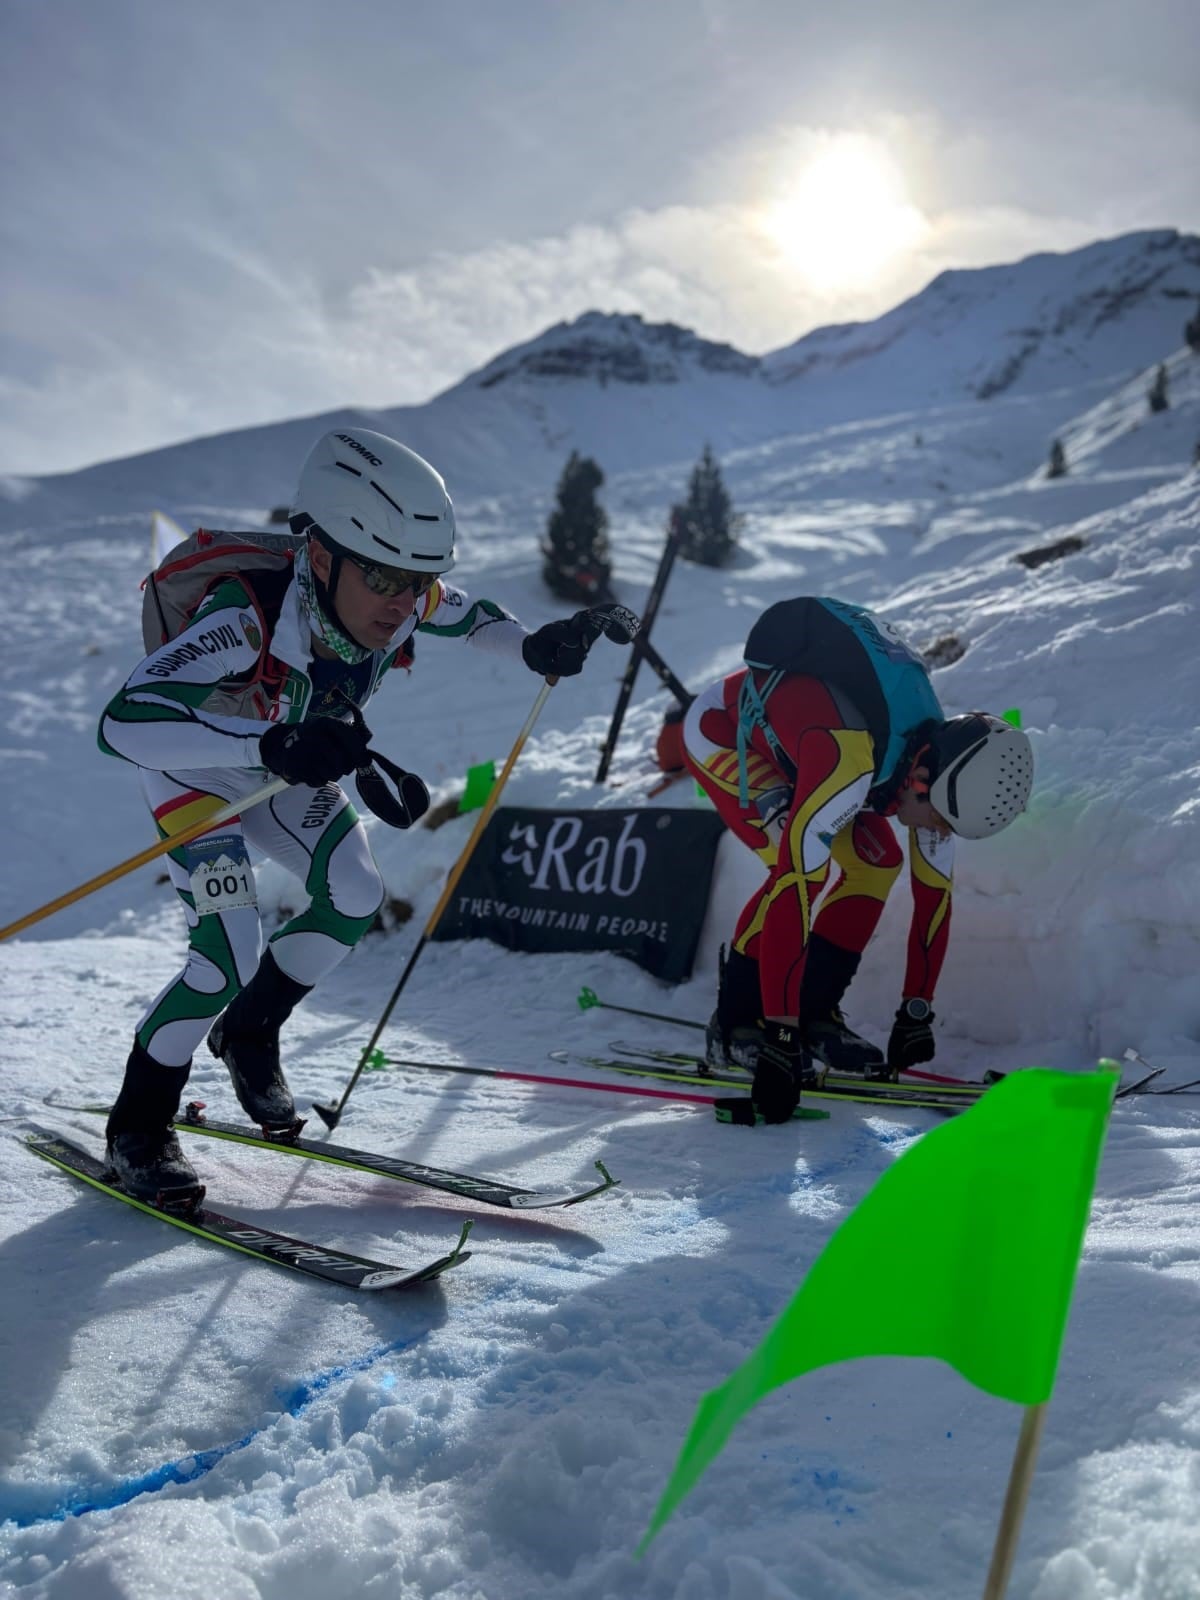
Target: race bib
(221, 875)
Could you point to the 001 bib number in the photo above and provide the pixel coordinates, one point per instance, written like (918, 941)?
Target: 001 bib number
(221, 875)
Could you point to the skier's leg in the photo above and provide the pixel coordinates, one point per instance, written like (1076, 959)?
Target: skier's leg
(223, 940)
(869, 859)
(316, 834)
(834, 774)
(710, 739)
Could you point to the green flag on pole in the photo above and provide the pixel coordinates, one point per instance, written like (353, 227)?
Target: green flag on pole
(965, 1250)
(481, 780)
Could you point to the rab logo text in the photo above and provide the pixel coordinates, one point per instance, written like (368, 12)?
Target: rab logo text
(360, 448)
(602, 866)
(204, 644)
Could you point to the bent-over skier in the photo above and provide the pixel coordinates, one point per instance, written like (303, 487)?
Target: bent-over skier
(831, 730)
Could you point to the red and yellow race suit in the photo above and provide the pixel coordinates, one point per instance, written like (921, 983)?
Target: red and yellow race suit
(797, 829)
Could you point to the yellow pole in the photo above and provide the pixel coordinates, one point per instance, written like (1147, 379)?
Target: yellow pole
(331, 1113)
(184, 836)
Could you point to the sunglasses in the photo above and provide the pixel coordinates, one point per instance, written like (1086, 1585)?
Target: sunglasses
(386, 582)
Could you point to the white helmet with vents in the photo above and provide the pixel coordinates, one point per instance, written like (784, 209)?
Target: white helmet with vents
(981, 773)
(365, 495)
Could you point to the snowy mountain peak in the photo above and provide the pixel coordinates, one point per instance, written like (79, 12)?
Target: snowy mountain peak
(614, 348)
(1027, 326)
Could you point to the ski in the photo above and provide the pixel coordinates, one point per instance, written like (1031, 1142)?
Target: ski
(316, 1261)
(674, 1067)
(1139, 1084)
(1192, 1086)
(956, 1086)
(487, 1191)
(856, 1089)
(587, 999)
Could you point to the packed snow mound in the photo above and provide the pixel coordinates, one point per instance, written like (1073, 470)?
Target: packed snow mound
(1095, 644)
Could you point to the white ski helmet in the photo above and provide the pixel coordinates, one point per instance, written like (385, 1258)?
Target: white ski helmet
(366, 495)
(981, 773)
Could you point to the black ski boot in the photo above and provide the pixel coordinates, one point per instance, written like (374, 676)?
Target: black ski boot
(246, 1038)
(783, 1069)
(828, 970)
(734, 1034)
(832, 1041)
(143, 1153)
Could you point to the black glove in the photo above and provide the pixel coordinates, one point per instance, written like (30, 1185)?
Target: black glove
(560, 648)
(911, 1038)
(314, 752)
(778, 1072)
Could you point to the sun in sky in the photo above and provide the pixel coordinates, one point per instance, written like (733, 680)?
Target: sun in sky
(845, 216)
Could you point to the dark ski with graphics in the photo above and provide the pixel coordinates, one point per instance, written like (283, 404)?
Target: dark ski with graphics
(677, 1067)
(889, 1087)
(486, 1191)
(588, 998)
(316, 1261)
(693, 1070)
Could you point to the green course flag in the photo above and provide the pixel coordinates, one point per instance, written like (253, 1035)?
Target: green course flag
(965, 1250)
(481, 780)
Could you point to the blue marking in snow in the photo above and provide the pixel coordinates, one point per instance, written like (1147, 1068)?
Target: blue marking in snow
(26, 1505)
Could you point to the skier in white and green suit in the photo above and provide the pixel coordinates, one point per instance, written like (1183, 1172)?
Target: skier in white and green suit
(258, 648)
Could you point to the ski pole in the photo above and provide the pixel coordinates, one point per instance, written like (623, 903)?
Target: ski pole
(625, 693)
(542, 1077)
(617, 624)
(331, 1114)
(588, 998)
(184, 836)
(723, 1104)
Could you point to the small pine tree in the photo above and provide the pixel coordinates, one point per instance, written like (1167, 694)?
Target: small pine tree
(706, 515)
(1156, 394)
(576, 560)
(1057, 467)
(1191, 332)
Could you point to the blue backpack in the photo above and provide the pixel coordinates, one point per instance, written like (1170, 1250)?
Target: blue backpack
(855, 652)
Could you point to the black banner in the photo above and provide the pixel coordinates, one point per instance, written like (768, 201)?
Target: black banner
(634, 882)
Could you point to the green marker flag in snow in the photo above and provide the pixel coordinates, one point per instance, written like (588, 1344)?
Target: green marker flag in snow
(965, 1250)
(481, 780)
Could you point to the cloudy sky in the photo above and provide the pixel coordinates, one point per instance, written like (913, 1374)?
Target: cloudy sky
(220, 214)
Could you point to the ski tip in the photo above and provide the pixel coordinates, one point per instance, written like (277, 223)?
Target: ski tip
(397, 1278)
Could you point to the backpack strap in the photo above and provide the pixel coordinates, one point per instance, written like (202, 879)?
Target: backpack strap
(752, 713)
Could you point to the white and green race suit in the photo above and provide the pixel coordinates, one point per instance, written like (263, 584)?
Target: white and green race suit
(189, 717)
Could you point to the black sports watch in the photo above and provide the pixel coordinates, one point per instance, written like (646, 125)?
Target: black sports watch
(917, 1010)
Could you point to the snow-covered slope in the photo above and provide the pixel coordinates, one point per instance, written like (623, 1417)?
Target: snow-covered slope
(641, 395)
(175, 1424)
(1052, 321)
